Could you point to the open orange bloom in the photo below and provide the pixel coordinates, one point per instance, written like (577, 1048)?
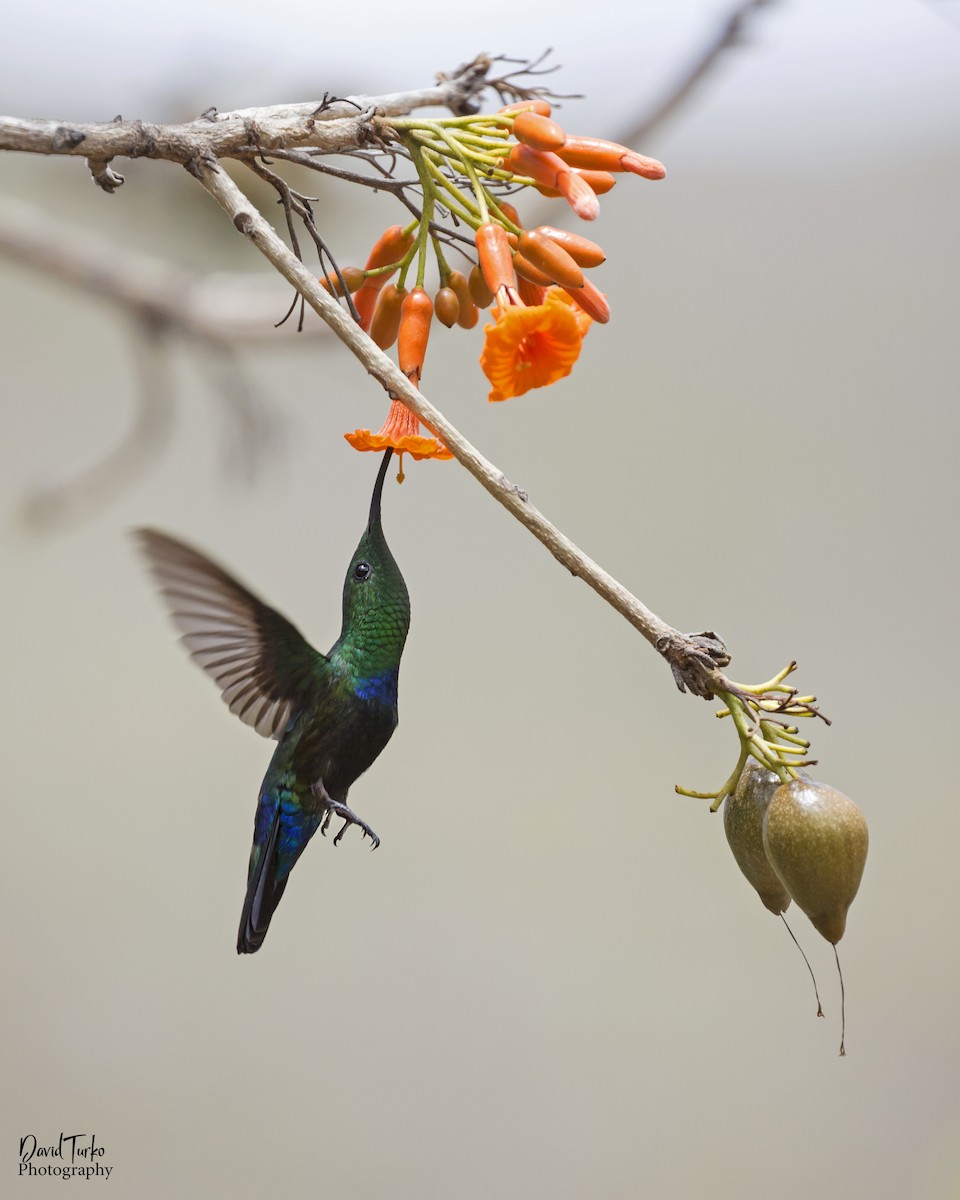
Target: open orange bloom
(528, 347)
(401, 431)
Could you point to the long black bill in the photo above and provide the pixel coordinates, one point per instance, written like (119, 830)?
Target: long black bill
(378, 490)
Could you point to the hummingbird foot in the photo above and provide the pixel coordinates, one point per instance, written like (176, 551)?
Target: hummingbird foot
(335, 808)
(351, 818)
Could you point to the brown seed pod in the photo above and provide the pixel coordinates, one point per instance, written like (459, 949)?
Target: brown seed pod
(460, 286)
(482, 296)
(446, 306)
(352, 276)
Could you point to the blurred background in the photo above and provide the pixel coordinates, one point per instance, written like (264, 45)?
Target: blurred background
(551, 979)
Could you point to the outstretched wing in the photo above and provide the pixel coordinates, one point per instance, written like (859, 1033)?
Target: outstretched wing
(263, 665)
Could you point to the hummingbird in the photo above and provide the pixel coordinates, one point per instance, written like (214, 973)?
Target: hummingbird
(331, 714)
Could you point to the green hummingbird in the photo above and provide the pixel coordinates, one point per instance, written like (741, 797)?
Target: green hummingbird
(331, 714)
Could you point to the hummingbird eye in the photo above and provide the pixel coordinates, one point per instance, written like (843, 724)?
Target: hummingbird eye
(362, 571)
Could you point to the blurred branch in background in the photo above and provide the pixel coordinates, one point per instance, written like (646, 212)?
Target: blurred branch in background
(147, 435)
(225, 309)
(214, 315)
(730, 34)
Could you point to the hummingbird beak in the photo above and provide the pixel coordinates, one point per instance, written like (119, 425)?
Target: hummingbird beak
(374, 521)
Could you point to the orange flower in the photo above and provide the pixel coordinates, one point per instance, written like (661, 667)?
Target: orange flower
(401, 430)
(528, 347)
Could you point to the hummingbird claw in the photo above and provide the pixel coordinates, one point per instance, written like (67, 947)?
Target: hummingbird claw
(349, 818)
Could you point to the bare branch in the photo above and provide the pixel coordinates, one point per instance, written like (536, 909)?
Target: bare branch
(248, 221)
(328, 126)
(299, 132)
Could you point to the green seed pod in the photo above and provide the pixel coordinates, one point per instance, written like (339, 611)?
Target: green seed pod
(743, 814)
(816, 840)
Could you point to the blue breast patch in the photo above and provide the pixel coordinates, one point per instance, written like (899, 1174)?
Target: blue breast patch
(379, 687)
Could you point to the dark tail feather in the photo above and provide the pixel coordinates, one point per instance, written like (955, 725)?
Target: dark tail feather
(263, 894)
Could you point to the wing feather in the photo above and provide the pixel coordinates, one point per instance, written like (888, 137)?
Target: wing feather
(263, 665)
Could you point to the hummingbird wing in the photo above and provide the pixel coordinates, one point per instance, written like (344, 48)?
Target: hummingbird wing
(263, 665)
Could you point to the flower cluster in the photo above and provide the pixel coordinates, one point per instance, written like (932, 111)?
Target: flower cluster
(533, 279)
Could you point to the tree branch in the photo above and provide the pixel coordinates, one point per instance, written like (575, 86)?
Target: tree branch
(342, 126)
(325, 125)
(694, 662)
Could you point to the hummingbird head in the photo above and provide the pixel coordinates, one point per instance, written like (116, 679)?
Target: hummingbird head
(376, 605)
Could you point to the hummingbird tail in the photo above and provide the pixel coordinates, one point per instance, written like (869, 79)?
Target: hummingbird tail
(281, 831)
(264, 890)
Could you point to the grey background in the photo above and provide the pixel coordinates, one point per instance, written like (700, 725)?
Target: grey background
(551, 979)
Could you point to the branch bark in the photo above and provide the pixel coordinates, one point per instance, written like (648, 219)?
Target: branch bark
(675, 646)
(695, 659)
(326, 126)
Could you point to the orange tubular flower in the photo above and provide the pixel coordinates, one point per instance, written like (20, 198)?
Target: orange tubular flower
(386, 316)
(546, 169)
(528, 347)
(391, 246)
(592, 302)
(530, 293)
(599, 182)
(550, 258)
(539, 132)
(496, 258)
(581, 249)
(597, 154)
(510, 212)
(536, 106)
(527, 271)
(401, 431)
(416, 313)
(351, 276)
